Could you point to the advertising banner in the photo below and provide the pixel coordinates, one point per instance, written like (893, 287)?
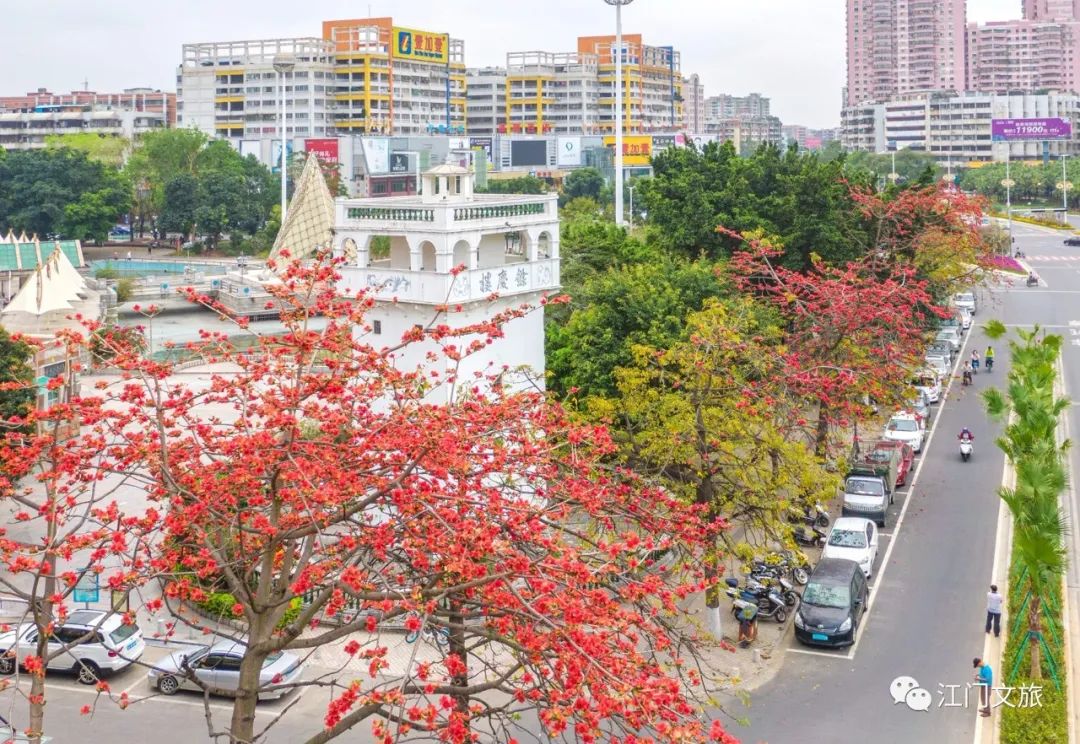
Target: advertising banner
(421, 46)
(484, 143)
(325, 149)
(1006, 130)
(251, 147)
(637, 148)
(399, 163)
(377, 153)
(275, 154)
(569, 151)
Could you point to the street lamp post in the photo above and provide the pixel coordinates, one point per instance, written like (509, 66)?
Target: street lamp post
(618, 108)
(631, 189)
(1064, 186)
(283, 63)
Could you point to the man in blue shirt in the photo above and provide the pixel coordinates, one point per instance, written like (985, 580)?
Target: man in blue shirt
(984, 678)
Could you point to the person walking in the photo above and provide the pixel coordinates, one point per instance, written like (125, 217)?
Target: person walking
(984, 678)
(994, 603)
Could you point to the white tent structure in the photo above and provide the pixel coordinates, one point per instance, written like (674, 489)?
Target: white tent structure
(309, 224)
(54, 285)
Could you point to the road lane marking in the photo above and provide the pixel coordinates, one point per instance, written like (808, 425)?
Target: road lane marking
(865, 625)
(826, 654)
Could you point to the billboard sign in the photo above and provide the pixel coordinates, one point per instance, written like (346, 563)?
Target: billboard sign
(421, 46)
(528, 152)
(250, 147)
(569, 150)
(1006, 130)
(325, 149)
(484, 143)
(399, 162)
(637, 148)
(377, 153)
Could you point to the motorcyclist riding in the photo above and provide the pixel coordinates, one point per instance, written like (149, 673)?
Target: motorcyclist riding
(966, 373)
(965, 434)
(1032, 280)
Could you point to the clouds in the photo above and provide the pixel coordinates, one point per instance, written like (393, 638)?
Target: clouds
(790, 50)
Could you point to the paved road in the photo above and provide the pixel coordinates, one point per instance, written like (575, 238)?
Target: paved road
(926, 615)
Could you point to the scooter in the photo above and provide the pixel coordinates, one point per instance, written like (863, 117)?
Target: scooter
(780, 564)
(1033, 281)
(967, 446)
(773, 580)
(813, 539)
(769, 601)
(813, 515)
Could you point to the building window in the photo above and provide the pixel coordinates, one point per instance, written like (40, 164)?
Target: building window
(376, 327)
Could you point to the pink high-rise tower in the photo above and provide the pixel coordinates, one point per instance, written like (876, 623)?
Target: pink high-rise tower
(901, 47)
(1052, 10)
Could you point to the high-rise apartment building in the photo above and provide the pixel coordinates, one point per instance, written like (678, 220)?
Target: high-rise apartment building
(396, 80)
(230, 89)
(1052, 10)
(725, 106)
(1023, 56)
(574, 92)
(901, 47)
(652, 83)
(693, 104)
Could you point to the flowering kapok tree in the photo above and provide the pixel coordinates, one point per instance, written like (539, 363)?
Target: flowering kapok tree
(62, 484)
(312, 467)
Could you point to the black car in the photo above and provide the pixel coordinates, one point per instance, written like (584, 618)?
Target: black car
(833, 603)
(1072, 241)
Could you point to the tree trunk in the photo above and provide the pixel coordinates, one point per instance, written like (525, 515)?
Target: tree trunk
(242, 728)
(42, 612)
(1034, 634)
(821, 436)
(456, 625)
(712, 594)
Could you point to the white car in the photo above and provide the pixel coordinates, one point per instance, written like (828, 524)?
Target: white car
(965, 318)
(929, 383)
(855, 539)
(906, 428)
(966, 300)
(951, 336)
(89, 643)
(938, 364)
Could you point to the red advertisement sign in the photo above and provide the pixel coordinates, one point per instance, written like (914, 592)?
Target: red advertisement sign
(326, 149)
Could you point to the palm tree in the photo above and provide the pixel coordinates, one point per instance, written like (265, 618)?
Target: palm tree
(1030, 443)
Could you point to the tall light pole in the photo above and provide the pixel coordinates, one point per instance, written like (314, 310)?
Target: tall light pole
(283, 63)
(618, 51)
(1064, 186)
(631, 190)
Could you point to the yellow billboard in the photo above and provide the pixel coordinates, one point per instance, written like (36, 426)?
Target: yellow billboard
(421, 46)
(636, 148)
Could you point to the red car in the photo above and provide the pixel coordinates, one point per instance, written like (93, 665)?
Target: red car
(907, 457)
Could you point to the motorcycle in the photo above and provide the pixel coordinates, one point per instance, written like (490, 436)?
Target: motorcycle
(769, 601)
(967, 446)
(812, 515)
(780, 564)
(1032, 281)
(815, 538)
(772, 580)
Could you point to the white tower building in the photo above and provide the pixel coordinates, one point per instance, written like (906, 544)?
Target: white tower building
(508, 245)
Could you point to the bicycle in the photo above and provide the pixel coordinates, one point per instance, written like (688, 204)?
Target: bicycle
(435, 635)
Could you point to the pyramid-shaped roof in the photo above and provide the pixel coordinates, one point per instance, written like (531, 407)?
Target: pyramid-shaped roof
(55, 285)
(309, 224)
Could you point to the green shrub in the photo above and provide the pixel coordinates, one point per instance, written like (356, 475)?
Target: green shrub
(1047, 723)
(125, 288)
(220, 604)
(106, 272)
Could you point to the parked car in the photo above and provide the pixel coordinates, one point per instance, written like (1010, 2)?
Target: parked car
(855, 539)
(942, 365)
(907, 458)
(941, 348)
(869, 486)
(966, 300)
(965, 319)
(951, 336)
(907, 428)
(919, 404)
(833, 603)
(218, 667)
(1074, 241)
(89, 643)
(927, 382)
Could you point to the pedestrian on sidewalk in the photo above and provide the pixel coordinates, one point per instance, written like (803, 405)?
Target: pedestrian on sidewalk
(994, 603)
(748, 625)
(984, 678)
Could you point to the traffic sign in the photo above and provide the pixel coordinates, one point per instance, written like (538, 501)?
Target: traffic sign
(87, 588)
(1008, 183)
(41, 381)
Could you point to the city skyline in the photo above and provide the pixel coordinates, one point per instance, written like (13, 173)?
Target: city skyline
(770, 42)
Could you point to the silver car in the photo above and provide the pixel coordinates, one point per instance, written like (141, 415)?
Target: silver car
(950, 336)
(218, 667)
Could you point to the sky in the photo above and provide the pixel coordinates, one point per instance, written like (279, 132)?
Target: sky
(790, 50)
